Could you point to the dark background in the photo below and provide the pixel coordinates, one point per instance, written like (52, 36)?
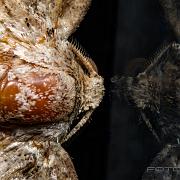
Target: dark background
(116, 145)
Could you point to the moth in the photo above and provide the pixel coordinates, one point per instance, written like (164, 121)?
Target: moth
(48, 87)
(155, 92)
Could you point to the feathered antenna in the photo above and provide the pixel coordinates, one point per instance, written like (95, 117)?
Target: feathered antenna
(78, 46)
(156, 57)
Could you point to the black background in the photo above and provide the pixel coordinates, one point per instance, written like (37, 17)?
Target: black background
(116, 145)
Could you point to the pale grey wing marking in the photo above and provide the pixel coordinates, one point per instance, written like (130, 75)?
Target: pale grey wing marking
(36, 19)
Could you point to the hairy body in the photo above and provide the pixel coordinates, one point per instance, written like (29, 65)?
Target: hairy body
(155, 92)
(45, 84)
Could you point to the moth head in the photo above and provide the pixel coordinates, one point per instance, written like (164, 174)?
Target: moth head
(123, 86)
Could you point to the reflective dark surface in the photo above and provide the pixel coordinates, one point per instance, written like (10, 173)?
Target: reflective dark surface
(116, 144)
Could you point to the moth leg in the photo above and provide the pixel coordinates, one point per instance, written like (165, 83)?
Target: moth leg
(80, 124)
(149, 125)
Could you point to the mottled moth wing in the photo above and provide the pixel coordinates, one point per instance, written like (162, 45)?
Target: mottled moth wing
(34, 160)
(41, 19)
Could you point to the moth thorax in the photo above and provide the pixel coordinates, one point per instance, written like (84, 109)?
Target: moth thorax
(145, 91)
(31, 94)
